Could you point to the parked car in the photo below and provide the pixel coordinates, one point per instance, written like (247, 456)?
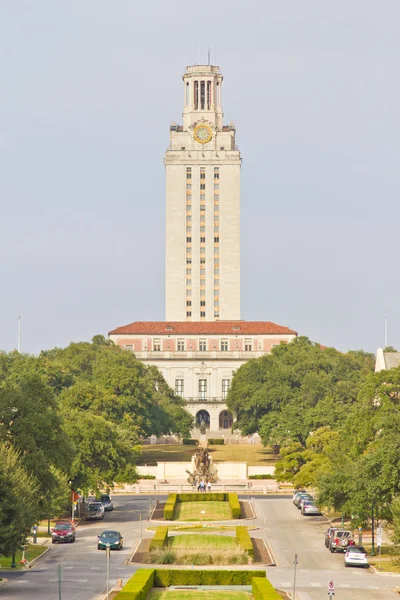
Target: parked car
(310, 508)
(300, 498)
(106, 501)
(329, 533)
(63, 531)
(296, 492)
(303, 499)
(112, 538)
(341, 540)
(356, 556)
(94, 511)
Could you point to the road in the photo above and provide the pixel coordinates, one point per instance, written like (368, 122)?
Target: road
(287, 532)
(83, 566)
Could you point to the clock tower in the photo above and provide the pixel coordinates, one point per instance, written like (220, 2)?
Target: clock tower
(202, 166)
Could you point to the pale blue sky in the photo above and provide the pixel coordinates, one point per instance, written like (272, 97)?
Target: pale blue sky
(88, 91)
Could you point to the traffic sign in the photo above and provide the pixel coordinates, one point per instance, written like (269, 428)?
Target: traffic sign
(379, 535)
(331, 589)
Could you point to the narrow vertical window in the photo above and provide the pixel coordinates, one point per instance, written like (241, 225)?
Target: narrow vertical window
(196, 95)
(208, 95)
(202, 94)
(187, 93)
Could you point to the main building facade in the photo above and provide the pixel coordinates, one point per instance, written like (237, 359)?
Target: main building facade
(203, 341)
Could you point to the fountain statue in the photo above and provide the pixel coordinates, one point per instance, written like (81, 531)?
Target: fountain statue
(202, 468)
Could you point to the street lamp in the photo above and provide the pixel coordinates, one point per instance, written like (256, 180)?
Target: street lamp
(108, 569)
(295, 562)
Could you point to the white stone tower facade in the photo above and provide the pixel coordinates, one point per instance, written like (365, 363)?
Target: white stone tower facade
(202, 165)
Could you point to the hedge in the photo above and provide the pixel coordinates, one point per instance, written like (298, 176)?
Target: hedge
(170, 507)
(235, 506)
(160, 538)
(147, 477)
(244, 540)
(138, 586)
(203, 497)
(265, 476)
(167, 577)
(216, 442)
(190, 442)
(262, 589)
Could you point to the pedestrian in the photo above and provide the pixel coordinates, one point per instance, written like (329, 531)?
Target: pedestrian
(209, 486)
(203, 486)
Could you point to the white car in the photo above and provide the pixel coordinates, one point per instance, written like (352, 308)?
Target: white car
(355, 556)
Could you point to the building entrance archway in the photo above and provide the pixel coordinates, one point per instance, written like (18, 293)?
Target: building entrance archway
(225, 420)
(203, 416)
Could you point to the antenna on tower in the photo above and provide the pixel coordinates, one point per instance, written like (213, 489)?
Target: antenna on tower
(386, 338)
(19, 335)
(209, 58)
(190, 56)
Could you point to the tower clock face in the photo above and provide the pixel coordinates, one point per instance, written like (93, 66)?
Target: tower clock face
(202, 134)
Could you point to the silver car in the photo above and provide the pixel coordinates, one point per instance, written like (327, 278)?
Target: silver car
(310, 508)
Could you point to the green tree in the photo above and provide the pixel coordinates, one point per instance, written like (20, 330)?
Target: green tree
(19, 507)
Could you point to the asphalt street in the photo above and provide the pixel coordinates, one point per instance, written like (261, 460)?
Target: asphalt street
(287, 532)
(83, 566)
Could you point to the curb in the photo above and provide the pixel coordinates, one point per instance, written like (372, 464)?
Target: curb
(272, 555)
(35, 560)
(128, 561)
(3, 581)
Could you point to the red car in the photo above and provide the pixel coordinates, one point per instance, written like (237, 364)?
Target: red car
(63, 531)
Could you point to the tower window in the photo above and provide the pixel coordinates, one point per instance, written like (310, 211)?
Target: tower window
(202, 94)
(216, 172)
(189, 173)
(216, 240)
(196, 95)
(202, 240)
(202, 186)
(202, 173)
(189, 240)
(188, 303)
(202, 302)
(202, 313)
(188, 313)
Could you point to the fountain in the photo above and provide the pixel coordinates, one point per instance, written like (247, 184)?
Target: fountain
(202, 468)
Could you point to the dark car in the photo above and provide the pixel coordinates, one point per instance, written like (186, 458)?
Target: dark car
(112, 538)
(106, 501)
(63, 531)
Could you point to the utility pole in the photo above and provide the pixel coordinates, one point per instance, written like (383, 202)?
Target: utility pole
(19, 335)
(108, 569)
(59, 576)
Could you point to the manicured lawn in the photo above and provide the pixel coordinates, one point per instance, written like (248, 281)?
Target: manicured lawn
(199, 542)
(193, 594)
(32, 552)
(253, 454)
(202, 511)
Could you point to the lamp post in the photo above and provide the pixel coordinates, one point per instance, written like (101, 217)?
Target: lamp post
(295, 562)
(108, 569)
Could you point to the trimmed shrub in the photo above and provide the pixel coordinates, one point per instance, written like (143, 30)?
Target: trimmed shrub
(138, 586)
(216, 442)
(147, 477)
(263, 589)
(235, 506)
(190, 442)
(160, 538)
(167, 577)
(170, 507)
(203, 497)
(244, 540)
(265, 476)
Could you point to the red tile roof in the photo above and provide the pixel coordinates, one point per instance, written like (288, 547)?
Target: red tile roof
(203, 328)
